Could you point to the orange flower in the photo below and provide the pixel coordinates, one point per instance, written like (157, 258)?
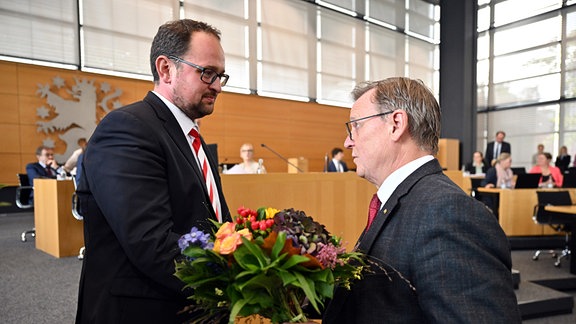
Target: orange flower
(227, 239)
(225, 230)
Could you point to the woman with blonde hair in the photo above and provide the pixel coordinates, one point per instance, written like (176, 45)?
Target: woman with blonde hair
(500, 175)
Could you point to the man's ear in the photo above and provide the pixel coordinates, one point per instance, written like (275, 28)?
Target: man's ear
(399, 123)
(165, 69)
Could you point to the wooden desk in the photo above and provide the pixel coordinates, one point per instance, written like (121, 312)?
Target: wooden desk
(338, 200)
(572, 240)
(516, 209)
(58, 233)
(561, 209)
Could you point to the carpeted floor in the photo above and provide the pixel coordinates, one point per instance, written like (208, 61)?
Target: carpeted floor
(38, 288)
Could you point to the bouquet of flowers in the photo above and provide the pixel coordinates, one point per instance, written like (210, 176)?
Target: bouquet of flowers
(267, 262)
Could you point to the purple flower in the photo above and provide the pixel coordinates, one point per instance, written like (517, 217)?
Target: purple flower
(328, 255)
(195, 237)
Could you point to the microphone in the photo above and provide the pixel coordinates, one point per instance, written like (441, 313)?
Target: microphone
(281, 157)
(326, 162)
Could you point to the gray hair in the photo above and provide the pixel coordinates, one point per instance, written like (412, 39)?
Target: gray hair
(415, 99)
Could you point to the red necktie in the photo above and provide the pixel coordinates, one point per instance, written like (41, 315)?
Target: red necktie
(207, 172)
(373, 210)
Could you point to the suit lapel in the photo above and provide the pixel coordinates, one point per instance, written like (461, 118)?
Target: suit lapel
(368, 238)
(175, 132)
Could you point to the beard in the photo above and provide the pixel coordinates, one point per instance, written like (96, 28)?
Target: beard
(195, 109)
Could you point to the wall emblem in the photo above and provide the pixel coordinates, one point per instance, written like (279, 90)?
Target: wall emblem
(72, 112)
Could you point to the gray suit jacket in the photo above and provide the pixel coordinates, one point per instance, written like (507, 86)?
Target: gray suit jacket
(448, 246)
(141, 189)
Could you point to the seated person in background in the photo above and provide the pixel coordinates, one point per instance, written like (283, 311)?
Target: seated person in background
(248, 166)
(500, 175)
(551, 175)
(336, 164)
(477, 165)
(70, 165)
(46, 167)
(563, 159)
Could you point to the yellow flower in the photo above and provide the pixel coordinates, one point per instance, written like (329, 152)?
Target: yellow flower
(270, 212)
(246, 233)
(229, 243)
(225, 230)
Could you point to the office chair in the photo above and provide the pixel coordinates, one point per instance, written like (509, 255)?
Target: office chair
(24, 199)
(558, 221)
(475, 182)
(77, 215)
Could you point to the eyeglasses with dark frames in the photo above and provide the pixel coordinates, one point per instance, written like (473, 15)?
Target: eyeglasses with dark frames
(354, 124)
(207, 76)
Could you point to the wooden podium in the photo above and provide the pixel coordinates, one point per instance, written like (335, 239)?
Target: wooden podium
(337, 200)
(58, 233)
(300, 163)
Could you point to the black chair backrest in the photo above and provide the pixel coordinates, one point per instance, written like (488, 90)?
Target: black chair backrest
(569, 180)
(557, 198)
(23, 179)
(24, 192)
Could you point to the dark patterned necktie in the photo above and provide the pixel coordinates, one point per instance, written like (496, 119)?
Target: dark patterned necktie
(373, 210)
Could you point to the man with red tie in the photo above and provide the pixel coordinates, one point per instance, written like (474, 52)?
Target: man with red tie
(441, 255)
(147, 179)
(46, 167)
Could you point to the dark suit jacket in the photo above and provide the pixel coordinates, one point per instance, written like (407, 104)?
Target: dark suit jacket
(332, 167)
(489, 156)
(35, 170)
(447, 245)
(562, 162)
(141, 189)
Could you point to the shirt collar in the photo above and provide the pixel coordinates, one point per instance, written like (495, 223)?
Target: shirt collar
(186, 124)
(397, 177)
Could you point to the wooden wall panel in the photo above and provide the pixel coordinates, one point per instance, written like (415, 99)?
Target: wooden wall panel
(291, 128)
(9, 108)
(11, 138)
(9, 78)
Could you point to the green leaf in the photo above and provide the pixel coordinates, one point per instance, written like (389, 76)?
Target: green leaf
(236, 308)
(293, 261)
(278, 245)
(242, 254)
(308, 288)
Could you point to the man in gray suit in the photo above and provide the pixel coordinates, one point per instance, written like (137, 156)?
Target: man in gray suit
(441, 255)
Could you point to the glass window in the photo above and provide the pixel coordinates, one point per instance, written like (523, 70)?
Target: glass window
(338, 56)
(388, 11)
(527, 64)
(40, 30)
(530, 90)
(569, 120)
(483, 18)
(118, 33)
(513, 10)
(284, 48)
(234, 26)
(527, 36)
(525, 128)
(422, 20)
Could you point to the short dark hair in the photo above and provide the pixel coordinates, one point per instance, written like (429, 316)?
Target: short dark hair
(173, 39)
(42, 148)
(336, 150)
